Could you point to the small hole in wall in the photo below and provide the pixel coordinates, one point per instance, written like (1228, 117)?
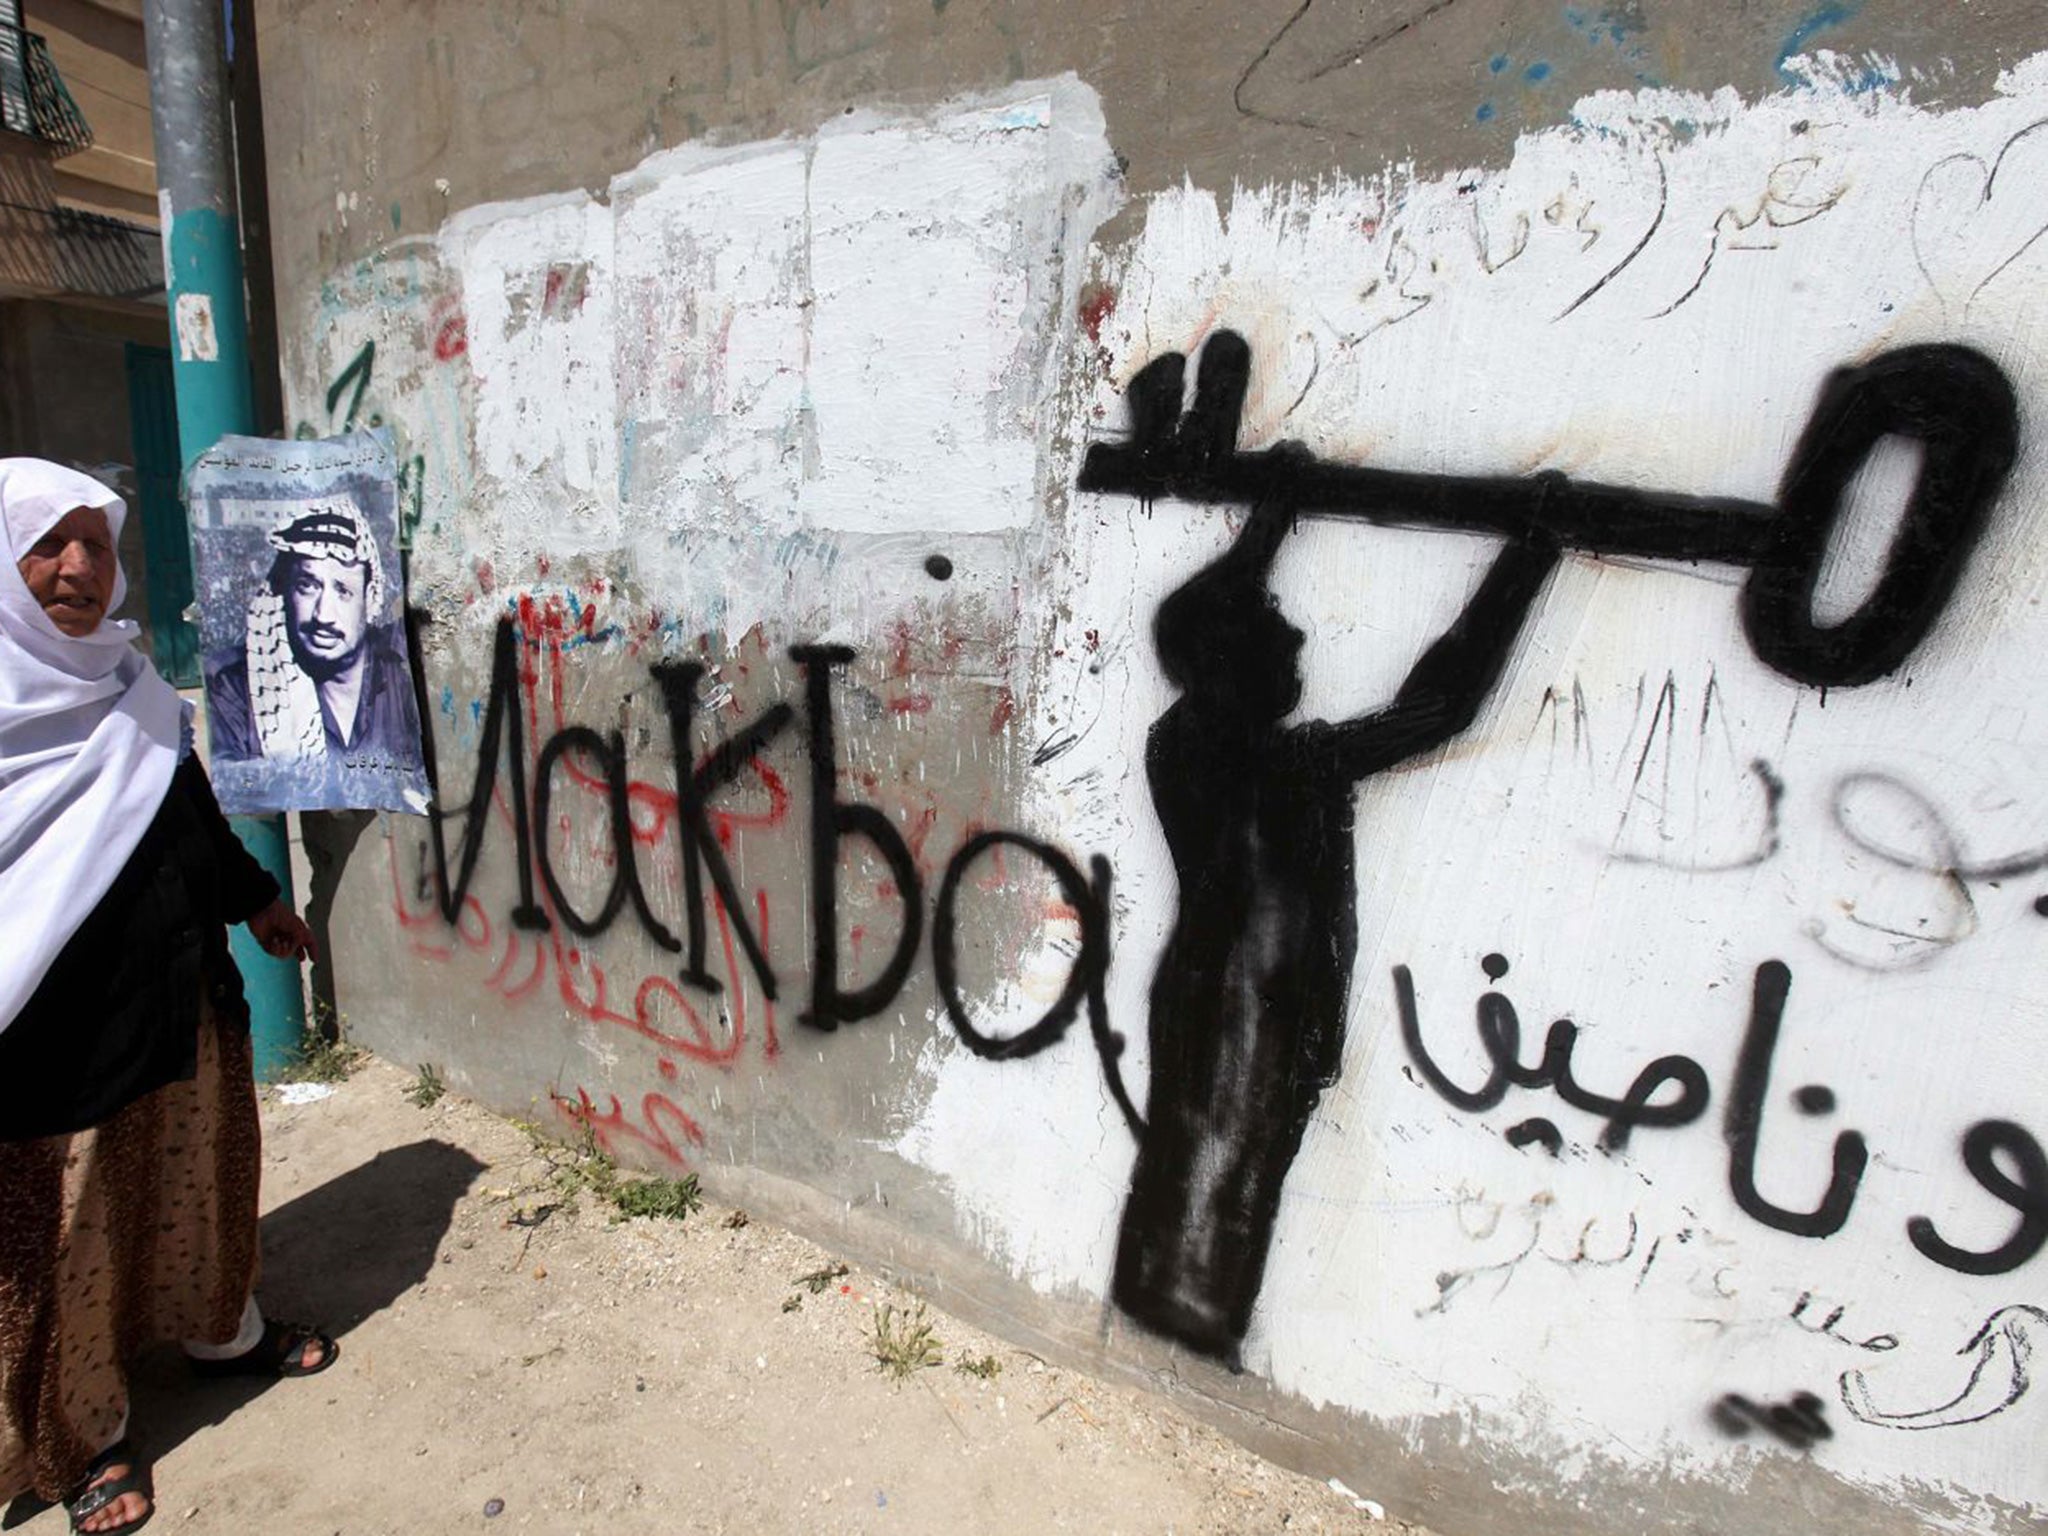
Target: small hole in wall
(938, 567)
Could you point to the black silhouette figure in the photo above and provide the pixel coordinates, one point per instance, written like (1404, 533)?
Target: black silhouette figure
(1247, 1007)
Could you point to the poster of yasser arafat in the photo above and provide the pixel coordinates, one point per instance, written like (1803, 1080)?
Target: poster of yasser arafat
(309, 690)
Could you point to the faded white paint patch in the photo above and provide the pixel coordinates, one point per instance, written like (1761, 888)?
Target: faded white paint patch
(166, 220)
(537, 290)
(197, 340)
(930, 322)
(744, 354)
(713, 354)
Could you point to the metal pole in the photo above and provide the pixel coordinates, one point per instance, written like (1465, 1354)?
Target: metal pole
(210, 371)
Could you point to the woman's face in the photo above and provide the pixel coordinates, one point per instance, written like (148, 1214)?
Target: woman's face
(70, 570)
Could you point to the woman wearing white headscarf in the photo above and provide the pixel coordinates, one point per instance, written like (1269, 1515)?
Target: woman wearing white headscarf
(128, 1134)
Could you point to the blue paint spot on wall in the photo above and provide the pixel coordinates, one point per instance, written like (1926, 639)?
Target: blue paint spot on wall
(1611, 24)
(1619, 27)
(1537, 73)
(1485, 112)
(1497, 63)
(1818, 20)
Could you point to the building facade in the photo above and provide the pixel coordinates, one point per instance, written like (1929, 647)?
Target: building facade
(85, 373)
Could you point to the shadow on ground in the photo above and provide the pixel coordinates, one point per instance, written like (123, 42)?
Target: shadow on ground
(334, 1255)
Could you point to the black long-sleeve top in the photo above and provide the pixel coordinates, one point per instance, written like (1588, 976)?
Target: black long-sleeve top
(117, 1014)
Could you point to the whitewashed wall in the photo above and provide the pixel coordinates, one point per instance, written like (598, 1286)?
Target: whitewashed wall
(743, 397)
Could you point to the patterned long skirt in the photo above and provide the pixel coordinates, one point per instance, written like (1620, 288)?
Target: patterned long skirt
(139, 1230)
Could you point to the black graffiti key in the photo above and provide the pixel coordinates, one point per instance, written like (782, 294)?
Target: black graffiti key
(1953, 401)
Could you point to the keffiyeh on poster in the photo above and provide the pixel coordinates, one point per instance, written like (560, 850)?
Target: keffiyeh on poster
(309, 690)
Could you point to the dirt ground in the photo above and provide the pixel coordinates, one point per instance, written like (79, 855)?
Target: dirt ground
(517, 1357)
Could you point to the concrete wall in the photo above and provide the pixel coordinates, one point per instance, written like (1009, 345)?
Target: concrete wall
(1340, 691)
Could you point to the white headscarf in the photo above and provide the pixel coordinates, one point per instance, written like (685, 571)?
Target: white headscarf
(89, 738)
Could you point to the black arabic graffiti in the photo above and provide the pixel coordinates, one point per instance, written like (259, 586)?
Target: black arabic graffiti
(2000, 1376)
(1247, 1004)
(1500, 1031)
(1742, 1122)
(1942, 853)
(1877, 1343)
(1984, 1144)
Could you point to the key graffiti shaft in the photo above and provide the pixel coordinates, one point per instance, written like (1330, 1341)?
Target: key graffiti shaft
(1952, 401)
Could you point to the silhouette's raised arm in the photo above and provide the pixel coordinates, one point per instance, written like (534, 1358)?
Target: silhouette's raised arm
(1442, 693)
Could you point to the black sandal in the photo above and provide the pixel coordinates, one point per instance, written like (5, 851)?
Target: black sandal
(92, 1497)
(279, 1353)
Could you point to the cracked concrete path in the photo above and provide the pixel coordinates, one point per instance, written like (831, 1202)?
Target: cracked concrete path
(516, 1357)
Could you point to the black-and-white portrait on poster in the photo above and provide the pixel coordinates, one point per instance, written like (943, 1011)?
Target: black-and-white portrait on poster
(309, 692)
